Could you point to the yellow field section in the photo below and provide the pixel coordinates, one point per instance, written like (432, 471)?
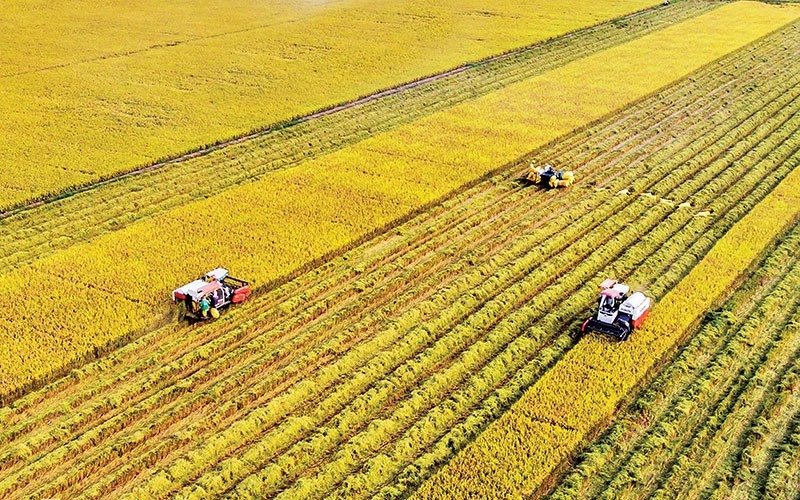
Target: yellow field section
(495, 129)
(516, 453)
(266, 229)
(91, 88)
(41, 34)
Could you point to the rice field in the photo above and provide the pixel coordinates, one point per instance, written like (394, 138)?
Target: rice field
(415, 324)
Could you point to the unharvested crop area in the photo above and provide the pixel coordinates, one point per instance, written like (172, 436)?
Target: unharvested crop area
(88, 91)
(267, 222)
(414, 330)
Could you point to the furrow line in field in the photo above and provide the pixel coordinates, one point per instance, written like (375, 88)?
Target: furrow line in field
(744, 466)
(335, 273)
(763, 192)
(710, 421)
(745, 389)
(688, 440)
(680, 411)
(782, 478)
(794, 165)
(389, 439)
(260, 330)
(456, 319)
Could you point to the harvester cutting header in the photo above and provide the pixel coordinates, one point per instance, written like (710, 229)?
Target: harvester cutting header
(205, 296)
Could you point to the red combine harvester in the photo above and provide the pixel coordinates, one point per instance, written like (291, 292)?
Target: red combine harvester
(618, 313)
(204, 297)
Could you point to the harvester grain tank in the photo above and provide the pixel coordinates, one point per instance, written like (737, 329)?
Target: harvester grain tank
(204, 297)
(550, 177)
(618, 311)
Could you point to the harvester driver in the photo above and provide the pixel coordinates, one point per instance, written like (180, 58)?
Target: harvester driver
(205, 306)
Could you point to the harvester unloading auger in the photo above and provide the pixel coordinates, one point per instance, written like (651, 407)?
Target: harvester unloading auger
(549, 177)
(618, 313)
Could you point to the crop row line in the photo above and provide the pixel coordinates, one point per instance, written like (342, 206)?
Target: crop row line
(669, 398)
(644, 254)
(155, 191)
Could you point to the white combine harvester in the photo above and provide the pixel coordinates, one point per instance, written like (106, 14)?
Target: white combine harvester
(618, 313)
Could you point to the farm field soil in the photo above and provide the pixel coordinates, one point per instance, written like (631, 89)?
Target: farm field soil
(273, 227)
(722, 419)
(88, 92)
(365, 375)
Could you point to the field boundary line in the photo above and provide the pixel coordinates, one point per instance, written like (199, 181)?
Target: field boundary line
(206, 149)
(99, 351)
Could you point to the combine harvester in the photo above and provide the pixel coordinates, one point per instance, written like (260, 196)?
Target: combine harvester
(618, 313)
(204, 297)
(549, 177)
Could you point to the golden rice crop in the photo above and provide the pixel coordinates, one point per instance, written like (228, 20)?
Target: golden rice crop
(416, 340)
(87, 92)
(101, 291)
(522, 448)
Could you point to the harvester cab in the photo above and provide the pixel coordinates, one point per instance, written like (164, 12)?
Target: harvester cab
(618, 311)
(204, 297)
(549, 177)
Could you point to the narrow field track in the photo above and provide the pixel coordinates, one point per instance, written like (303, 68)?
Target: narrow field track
(364, 375)
(31, 233)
